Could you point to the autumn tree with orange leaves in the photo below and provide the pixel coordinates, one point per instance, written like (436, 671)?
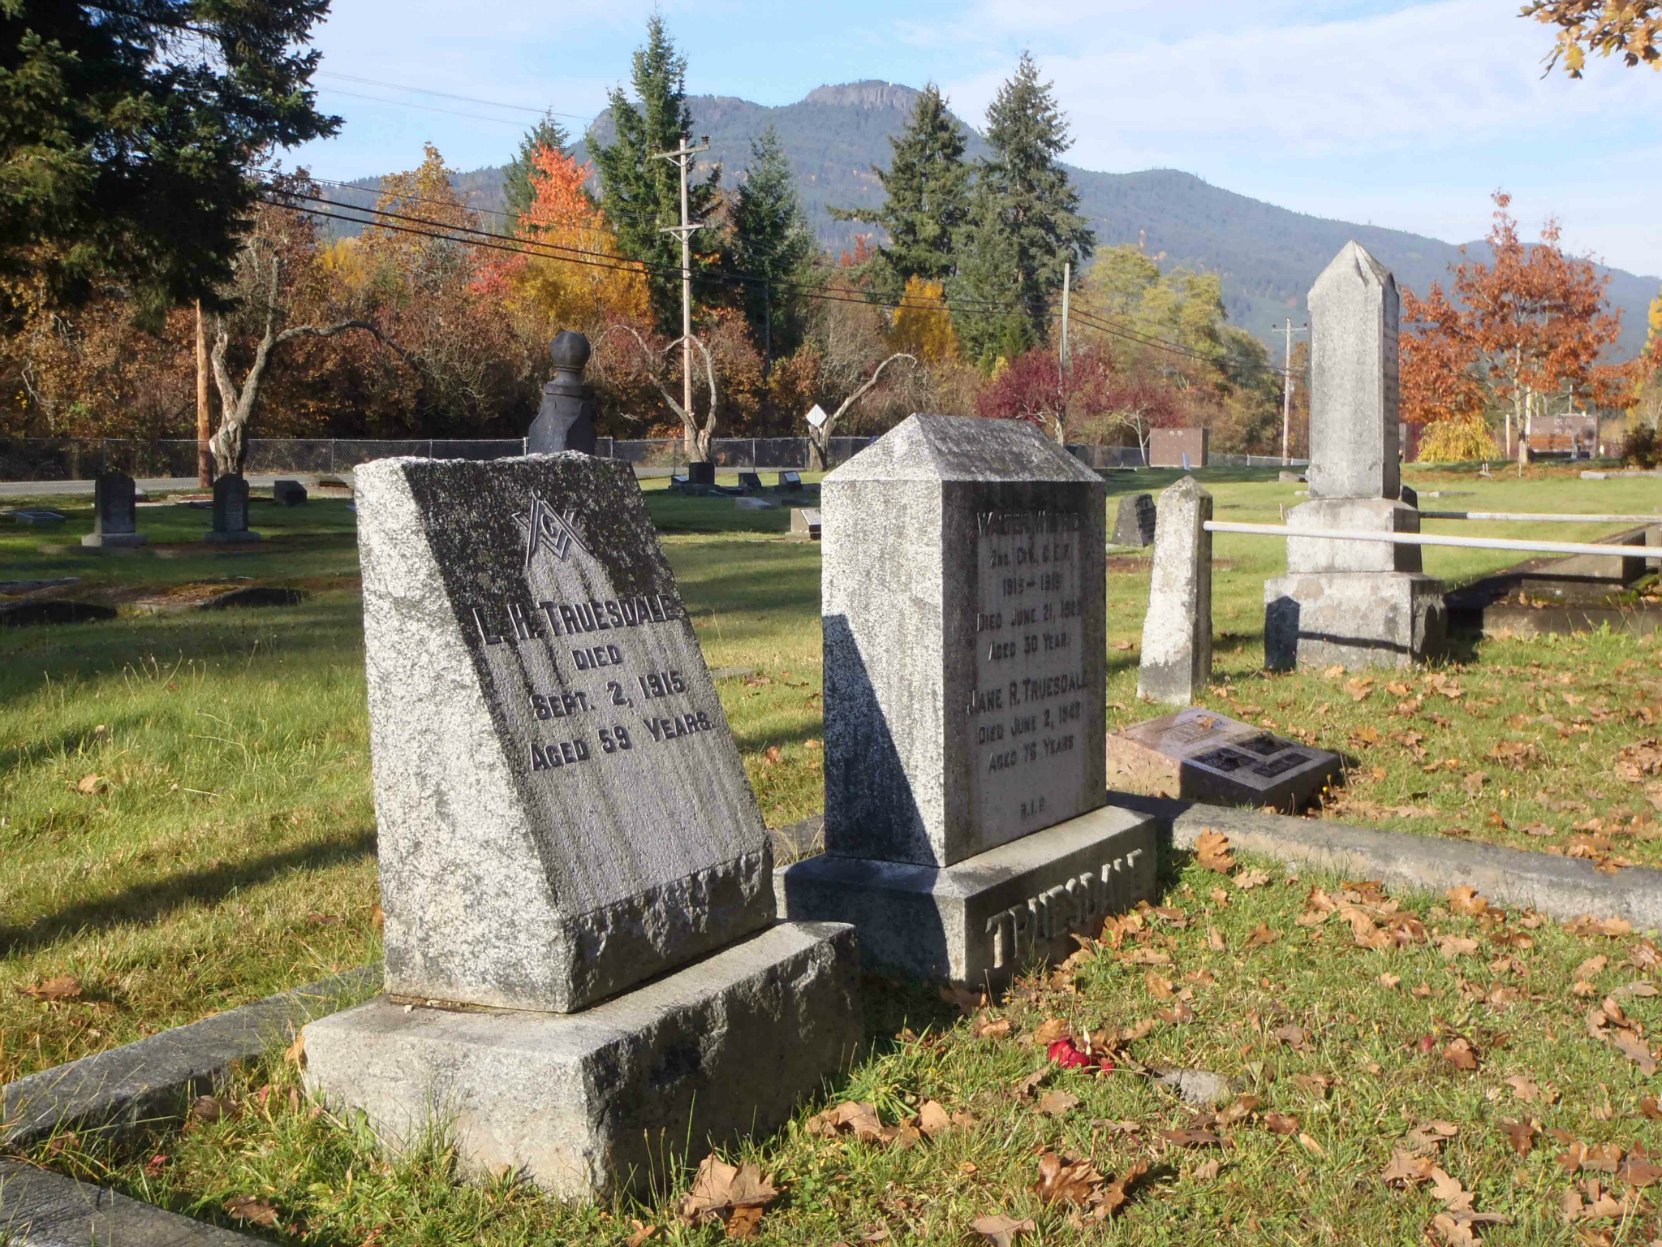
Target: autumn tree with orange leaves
(1532, 322)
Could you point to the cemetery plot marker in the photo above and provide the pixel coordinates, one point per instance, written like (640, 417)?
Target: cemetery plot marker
(964, 616)
(1200, 755)
(115, 513)
(563, 816)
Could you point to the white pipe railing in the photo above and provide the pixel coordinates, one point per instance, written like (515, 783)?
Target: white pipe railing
(1541, 517)
(1437, 539)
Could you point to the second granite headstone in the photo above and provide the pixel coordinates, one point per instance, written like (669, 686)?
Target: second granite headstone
(115, 513)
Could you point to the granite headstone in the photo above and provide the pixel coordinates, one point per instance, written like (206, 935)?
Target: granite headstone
(1134, 522)
(582, 966)
(965, 657)
(1176, 663)
(230, 508)
(565, 418)
(115, 512)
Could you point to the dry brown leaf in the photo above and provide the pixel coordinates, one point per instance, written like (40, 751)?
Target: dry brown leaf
(91, 783)
(60, 987)
(1461, 1054)
(1262, 934)
(1002, 1231)
(1427, 1138)
(1057, 1103)
(252, 1209)
(1194, 1136)
(933, 1119)
(1521, 1135)
(1452, 946)
(1065, 1180)
(1238, 1110)
(1212, 851)
(849, 1117)
(1206, 1170)
(992, 1028)
(1250, 879)
(1465, 900)
(1049, 1031)
(1158, 987)
(1295, 1037)
(968, 1002)
(733, 1195)
(640, 1233)
(1406, 1169)
(295, 1053)
(1280, 1123)
(1634, 1049)
(1638, 1169)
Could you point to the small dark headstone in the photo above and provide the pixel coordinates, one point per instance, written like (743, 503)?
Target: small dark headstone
(751, 482)
(288, 493)
(1134, 525)
(115, 520)
(1410, 496)
(565, 420)
(790, 480)
(231, 510)
(1201, 756)
(701, 473)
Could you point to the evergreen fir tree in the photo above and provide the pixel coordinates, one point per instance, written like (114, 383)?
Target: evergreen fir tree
(772, 241)
(925, 196)
(640, 194)
(516, 187)
(985, 291)
(1023, 184)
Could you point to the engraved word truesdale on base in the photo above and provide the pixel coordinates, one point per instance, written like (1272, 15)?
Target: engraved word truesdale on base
(1070, 906)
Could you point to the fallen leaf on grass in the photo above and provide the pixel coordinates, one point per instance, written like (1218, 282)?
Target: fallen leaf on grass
(1250, 879)
(1638, 1169)
(1194, 1136)
(1280, 1123)
(89, 784)
(933, 1119)
(733, 1196)
(1295, 1037)
(1212, 851)
(968, 1002)
(1057, 1103)
(1069, 1055)
(849, 1117)
(992, 1028)
(1465, 900)
(1461, 1055)
(1530, 1092)
(251, 1209)
(1427, 1138)
(1207, 1170)
(1002, 1231)
(1452, 946)
(1063, 1180)
(1406, 1169)
(61, 987)
(641, 1232)
(211, 1108)
(1262, 934)
(1521, 1135)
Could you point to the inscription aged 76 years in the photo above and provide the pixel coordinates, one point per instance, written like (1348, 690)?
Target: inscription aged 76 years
(1028, 701)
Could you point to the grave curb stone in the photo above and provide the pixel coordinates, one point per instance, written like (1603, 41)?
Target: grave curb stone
(43, 1209)
(1563, 888)
(587, 1102)
(957, 923)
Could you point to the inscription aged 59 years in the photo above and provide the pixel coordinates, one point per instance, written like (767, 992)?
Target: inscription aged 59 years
(1028, 701)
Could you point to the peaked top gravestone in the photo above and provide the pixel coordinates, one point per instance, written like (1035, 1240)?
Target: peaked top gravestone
(1353, 379)
(964, 616)
(562, 810)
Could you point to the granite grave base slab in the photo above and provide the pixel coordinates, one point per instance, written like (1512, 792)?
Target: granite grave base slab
(981, 920)
(1204, 756)
(114, 541)
(1354, 620)
(596, 1103)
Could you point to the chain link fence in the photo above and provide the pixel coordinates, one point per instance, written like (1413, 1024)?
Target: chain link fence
(72, 459)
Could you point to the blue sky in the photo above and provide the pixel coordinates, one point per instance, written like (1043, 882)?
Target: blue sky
(1396, 113)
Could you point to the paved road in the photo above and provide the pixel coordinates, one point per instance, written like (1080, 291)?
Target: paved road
(187, 484)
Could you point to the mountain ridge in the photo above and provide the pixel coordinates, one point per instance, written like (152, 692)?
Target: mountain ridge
(1267, 256)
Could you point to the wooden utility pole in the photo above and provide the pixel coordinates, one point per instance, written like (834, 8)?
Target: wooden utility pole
(204, 417)
(1287, 393)
(1067, 290)
(682, 157)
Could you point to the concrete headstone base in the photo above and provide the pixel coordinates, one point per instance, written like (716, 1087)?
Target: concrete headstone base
(1320, 555)
(594, 1103)
(981, 920)
(113, 541)
(1353, 619)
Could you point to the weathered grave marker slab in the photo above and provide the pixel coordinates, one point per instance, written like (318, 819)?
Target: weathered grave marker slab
(1134, 522)
(1176, 661)
(230, 507)
(589, 802)
(1200, 755)
(115, 513)
(805, 523)
(287, 493)
(965, 658)
(566, 837)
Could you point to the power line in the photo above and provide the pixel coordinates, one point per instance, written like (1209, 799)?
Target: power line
(427, 108)
(446, 95)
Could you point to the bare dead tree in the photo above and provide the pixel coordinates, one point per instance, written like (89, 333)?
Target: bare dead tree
(695, 437)
(820, 438)
(239, 399)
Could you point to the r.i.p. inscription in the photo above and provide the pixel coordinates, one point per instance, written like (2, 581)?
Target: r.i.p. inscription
(1028, 702)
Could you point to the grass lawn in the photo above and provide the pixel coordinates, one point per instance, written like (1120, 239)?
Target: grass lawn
(186, 823)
